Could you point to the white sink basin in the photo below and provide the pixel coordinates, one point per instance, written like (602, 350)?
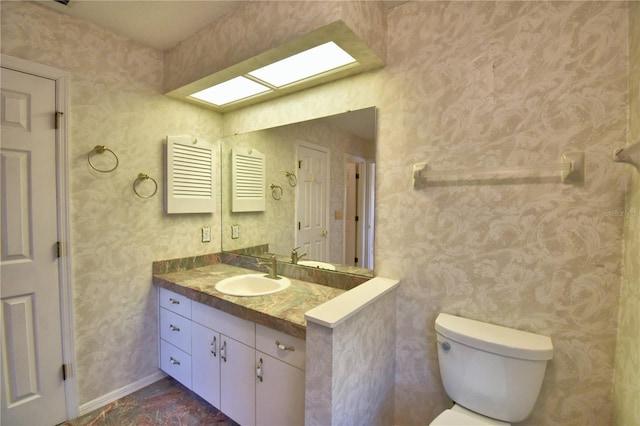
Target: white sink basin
(252, 285)
(317, 264)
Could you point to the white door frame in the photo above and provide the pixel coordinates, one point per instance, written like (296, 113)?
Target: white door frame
(61, 79)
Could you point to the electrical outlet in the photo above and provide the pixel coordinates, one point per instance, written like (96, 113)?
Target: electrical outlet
(235, 231)
(206, 234)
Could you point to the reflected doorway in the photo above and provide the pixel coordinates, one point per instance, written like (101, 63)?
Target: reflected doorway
(358, 212)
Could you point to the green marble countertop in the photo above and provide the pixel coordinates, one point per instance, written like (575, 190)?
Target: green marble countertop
(283, 311)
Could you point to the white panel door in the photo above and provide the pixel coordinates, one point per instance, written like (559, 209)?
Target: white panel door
(313, 202)
(32, 384)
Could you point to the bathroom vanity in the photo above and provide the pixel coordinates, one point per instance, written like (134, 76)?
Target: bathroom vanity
(270, 359)
(252, 373)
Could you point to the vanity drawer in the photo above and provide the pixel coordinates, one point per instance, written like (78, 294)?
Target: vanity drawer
(175, 302)
(175, 363)
(237, 328)
(175, 329)
(280, 345)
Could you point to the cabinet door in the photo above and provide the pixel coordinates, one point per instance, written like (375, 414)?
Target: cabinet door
(205, 363)
(237, 378)
(280, 393)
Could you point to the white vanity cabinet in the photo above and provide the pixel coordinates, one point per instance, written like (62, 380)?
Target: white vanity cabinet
(251, 373)
(280, 371)
(232, 371)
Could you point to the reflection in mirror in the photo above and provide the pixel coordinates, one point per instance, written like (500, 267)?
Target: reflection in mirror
(319, 188)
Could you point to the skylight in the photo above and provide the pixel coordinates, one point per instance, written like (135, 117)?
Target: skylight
(230, 91)
(308, 63)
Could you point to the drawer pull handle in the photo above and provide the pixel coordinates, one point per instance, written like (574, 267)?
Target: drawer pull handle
(223, 351)
(174, 328)
(174, 361)
(174, 301)
(259, 370)
(213, 346)
(283, 347)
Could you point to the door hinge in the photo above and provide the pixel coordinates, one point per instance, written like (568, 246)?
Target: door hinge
(57, 116)
(65, 374)
(355, 260)
(357, 218)
(300, 164)
(59, 248)
(298, 226)
(357, 175)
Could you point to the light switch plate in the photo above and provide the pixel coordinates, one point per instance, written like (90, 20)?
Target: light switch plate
(206, 234)
(235, 231)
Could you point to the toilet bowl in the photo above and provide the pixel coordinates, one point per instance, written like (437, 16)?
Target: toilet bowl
(492, 373)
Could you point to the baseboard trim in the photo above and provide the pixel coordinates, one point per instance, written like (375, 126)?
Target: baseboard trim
(119, 393)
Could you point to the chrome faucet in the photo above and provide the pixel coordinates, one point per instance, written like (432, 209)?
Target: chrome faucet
(295, 256)
(272, 267)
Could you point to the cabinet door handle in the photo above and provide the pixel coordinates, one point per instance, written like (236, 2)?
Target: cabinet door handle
(223, 351)
(174, 328)
(284, 348)
(213, 346)
(174, 361)
(259, 370)
(174, 301)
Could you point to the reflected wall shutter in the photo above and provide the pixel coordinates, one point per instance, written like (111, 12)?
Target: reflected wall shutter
(189, 176)
(248, 180)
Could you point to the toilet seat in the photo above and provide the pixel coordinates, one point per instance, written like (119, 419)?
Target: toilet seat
(460, 416)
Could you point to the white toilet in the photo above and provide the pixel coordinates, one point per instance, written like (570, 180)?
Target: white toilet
(493, 374)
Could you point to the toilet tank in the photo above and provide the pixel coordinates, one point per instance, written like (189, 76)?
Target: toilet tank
(492, 370)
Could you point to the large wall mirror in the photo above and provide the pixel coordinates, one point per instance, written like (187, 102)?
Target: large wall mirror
(319, 188)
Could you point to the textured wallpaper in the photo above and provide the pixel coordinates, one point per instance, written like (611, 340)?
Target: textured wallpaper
(466, 84)
(627, 378)
(506, 83)
(115, 100)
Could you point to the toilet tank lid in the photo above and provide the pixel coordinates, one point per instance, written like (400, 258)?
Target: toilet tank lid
(494, 338)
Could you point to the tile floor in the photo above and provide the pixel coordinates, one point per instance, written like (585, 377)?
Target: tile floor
(165, 402)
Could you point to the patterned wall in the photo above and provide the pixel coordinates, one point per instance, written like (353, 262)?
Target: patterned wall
(514, 83)
(627, 380)
(466, 84)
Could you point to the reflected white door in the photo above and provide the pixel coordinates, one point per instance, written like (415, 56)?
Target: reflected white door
(312, 234)
(32, 383)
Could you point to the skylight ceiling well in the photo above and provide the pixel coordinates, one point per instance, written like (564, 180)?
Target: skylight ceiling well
(309, 63)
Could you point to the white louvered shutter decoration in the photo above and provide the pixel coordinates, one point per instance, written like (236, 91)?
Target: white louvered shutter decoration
(189, 174)
(248, 180)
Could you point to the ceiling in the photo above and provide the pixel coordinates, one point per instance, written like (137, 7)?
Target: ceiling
(165, 23)
(157, 24)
